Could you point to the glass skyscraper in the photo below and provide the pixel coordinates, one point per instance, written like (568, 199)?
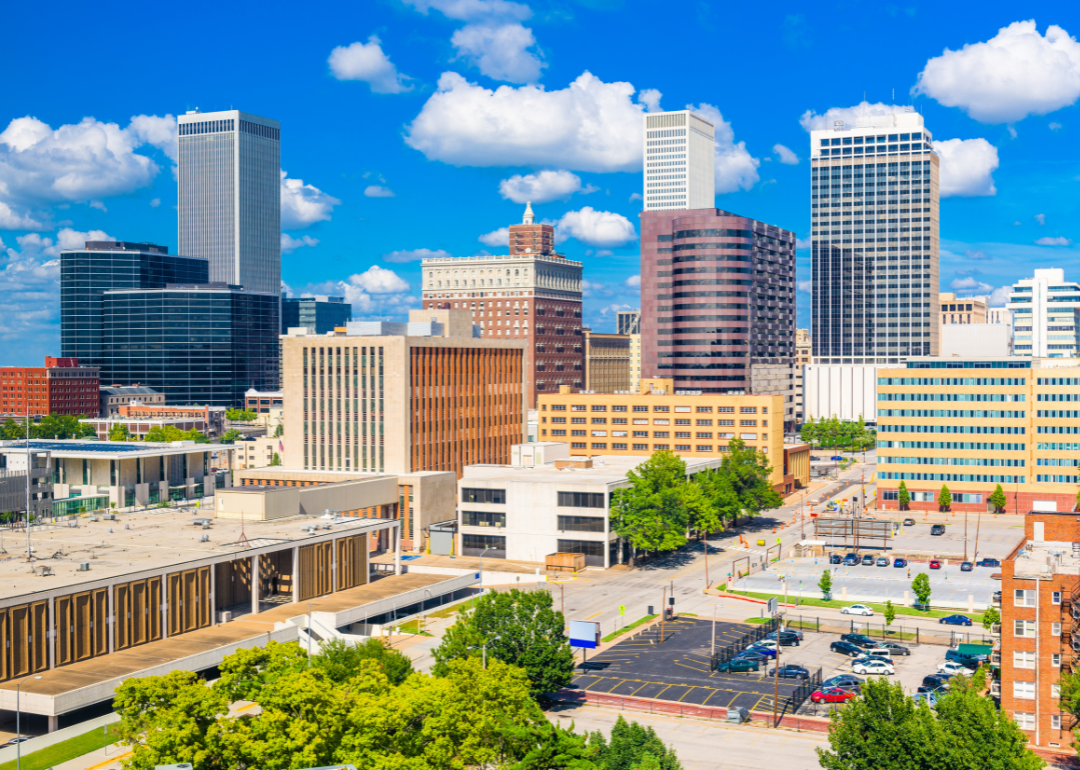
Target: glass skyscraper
(318, 314)
(230, 196)
(875, 235)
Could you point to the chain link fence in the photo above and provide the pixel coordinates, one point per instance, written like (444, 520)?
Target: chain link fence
(729, 651)
(946, 636)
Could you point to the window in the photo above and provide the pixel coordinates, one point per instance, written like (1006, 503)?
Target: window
(577, 408)
(660, 409)
(660, 447)
(682, 409)
(593, 548)
(619, 446)
(577, 433)
(581, 523)
(618, 434)
(599, 420)
(558, 407)
(641, 447)
(682, 434)
(497, 496)
(599, 408)
(618, 408)
(1023, 597)
(563, 433)
(1055, 690)
(748, 436)
(1055, 659)
(581, 500)
(1055, 721)
(578, 420)
(702, 448)
(641, 408)
(599, 446)
(1025, 720)
(705, 422)
(599, 434)
(1055, 629)
(704, 434)
(748, 423)
(483, 518)
(1055, 597)
(747, 410)
(682, 447)
(704, 410)
(661, 421)
(578, 445)
(1023, 659)
(1023, 689)
(682, 422)
(475, 545)
(1024, 627)
(725, 409)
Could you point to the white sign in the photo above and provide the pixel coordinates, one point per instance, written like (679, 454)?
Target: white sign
(584, 633)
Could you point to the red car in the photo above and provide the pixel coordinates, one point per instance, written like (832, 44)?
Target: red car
(831, 695)
(935, 565)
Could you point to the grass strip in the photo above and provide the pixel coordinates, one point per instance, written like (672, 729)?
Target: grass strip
(834, 604)
(64, 751)
(630, 627)
(446, 612)
(412, 627)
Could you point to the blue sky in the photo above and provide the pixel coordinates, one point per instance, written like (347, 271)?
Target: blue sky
(420, 125)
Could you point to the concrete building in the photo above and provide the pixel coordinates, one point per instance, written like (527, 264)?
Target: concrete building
(607, 362)
(1046, 315)
(965, 310)
(405, 403)
(256, 452)
(61, 387)
(717, 298)
(802, 360)
(692, 425)
(976, 339)
(263, 401)
(318, 314)
(635, 362)
(999, 316)
(115, 396)
(680, 161)
(628, 322)
(875, 238)
(14, 486)
(973, 423)
(533, 294)
(845, 392)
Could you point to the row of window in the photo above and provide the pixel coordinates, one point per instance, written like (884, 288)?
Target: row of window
(996, 397)
(978, 477)
(656, 408)
(655, 421)
(565, 499)
(656, 434)
(979, 381)
(930, 497)
(619, 447)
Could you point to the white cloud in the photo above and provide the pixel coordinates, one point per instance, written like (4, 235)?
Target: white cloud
(290, 244)
(1041, 219)
(379, 280)
(1054, 126)
(588, 126)
(595, 228)
(470, 10)
(415, 255)
(736, 168)
(650, 97)
(811, 121)
(155, 203)
(99, 206)
(807, 286)
(500, 237)
(541, 187)
(158, 132)
(594, 289)
(367, 62)
(1016, 73)
(636, 197)
(970, 284)
(803, 243)
(967, 166)
(785, 155)
(13, 220)
(999, 297)
(633, 282)
(378, 191)
(303, 204)
(371, 294)
(978, 254)
(500, 51)
(614, 309)
(1048, 241)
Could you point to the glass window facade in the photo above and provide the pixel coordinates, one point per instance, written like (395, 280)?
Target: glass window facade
(318, 314)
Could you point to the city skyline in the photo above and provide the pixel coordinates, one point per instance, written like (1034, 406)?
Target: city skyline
(374, 139)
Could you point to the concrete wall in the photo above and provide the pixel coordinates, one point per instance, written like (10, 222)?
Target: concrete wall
(434, 499)
(976, 340)
(267, 503)
(846, 392)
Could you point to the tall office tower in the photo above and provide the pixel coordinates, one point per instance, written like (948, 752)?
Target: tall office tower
(718, 303)
(874, 228)
(679, 157)
(530, 294)
(628, 322)
(1046, 315)
(318, 314)
(87, 273)
(230, 196)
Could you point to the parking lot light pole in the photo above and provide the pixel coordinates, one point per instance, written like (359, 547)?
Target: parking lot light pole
(776, 672)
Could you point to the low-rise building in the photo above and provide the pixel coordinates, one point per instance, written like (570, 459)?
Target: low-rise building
(263, 401)
(256, 452)
(60, 387)
(803, 347)
(14, 487)
(962, 310)
(140, 419)
(115, 396)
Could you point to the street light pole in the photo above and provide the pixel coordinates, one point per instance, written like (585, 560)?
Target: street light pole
(18, 724)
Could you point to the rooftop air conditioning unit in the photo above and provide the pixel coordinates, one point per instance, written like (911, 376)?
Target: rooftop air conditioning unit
(84, 566)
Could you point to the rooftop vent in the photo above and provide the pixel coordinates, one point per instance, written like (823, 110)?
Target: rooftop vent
(84, 566)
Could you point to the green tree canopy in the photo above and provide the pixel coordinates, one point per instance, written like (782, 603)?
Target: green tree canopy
(748, 472)
(160, 434)
(632, 747)
(650, 513)
(890, 612)
(231, 436)
(998, 499)
(701, 514)
(944, 497)
(990, 616)
(50, 426)
(825, 584)
(903, 497)
(921, 586)
(240, 415)
(833, 432)
(119, 432)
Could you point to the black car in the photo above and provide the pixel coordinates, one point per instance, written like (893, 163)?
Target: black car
(936, 681)
(851, 560)
(966, 566)
(836, 559)
(846, 648)
(847, 681)
(895, 649)
(939, 691)
(988, 563)
(791, 671)
(868, 560)
(909, 522)
(738, 665)
(751, 655)
(937, 529)
(860, 640)
(786, 638)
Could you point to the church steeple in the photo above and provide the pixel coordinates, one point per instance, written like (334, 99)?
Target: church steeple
(529, 218)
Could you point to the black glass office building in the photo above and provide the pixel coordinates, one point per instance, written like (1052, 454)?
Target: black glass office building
(199, 344)
(318, 314)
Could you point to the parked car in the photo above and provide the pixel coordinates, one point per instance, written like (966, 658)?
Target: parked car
(836, 559)
(851, 560)
(15, 741)
(869, 659)
(988, 563)
(935, 564)
(895, 649)
(831, 695)
(767, 652)
(791, 671)
(786, 638)
(951, 667)
(812, 457)
(738, 665)
(753, 655)
(899, 562)
(935, 683)
(856, 609)
(880, 649)
(909, 522)
(846, 648)
(868, 560)
(874, 667)
(921, 606)
(847, 681)
(971, 661)
(861, 640)
(937, 529)
(966, 566)
(836, 457)
(955, 620)
(883, 561)
(930, 696)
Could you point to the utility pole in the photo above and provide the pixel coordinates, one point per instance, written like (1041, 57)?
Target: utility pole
(712, 649)
(707, 562)
(29, 556)
(978, 521)
(776, 671)
(965, 534)
(663, 613)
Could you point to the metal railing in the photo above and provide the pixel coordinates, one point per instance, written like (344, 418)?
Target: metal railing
(945, 636)
(803, 691)
(729, 651)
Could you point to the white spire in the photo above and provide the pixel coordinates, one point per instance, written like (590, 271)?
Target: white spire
(528, 219)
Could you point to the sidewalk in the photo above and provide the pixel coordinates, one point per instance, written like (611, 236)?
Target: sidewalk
(108, 758)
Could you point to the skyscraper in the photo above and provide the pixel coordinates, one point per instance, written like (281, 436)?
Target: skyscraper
(230, 196)
(874, 228)
(318, 314)
(1046, 314)
(628, 322)
(679, 157)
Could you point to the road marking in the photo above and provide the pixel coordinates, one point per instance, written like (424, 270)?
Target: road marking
(687, 693)
(125, 755)
(594, 615)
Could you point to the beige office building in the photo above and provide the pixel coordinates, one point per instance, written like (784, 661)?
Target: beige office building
(607, 362)
(965, 310)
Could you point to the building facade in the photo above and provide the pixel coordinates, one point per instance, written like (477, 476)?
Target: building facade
(261, 402)
(14, 486)
(680, 161)
(628, 322)
(318, 314)
(971, 424)
(229, 207)
(61, 387)
(875, 220)
(140, 419)
(607, 362)
(115, 396)
(965, 310)
(717, 296)
(1046, 315)
(966, 340)
(635, 361)
(802, 360)
(403, 403)
(528, 295)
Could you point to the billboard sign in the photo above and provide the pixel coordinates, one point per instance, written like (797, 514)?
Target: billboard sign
(584, 633)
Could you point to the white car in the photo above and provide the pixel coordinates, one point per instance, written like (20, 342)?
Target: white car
(951, 667)
(856, 609)
(885, 652)
(873, 667)
(769, 643)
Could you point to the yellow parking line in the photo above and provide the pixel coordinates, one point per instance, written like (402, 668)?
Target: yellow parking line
(594, 615)
(125, 755)
(688, 692)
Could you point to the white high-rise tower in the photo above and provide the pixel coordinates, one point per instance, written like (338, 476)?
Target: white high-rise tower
(679, 170)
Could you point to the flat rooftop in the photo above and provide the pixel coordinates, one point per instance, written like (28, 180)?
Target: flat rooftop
(109, 450)
(157, 539)
(606, 469)
(1045, 559)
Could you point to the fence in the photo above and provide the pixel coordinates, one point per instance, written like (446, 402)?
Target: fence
(803, 691)
(729, 651)
(945, 636)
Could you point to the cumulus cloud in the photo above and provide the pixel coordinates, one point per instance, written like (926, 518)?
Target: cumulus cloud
(785, 155)
(542, 187)
(471, 10)
(967, 167)
(371, 294)
(807, 286)
(593, 289)
(1041, 219)
(290, 244)
(610, 310)
(803, 243)
(500, 51)
(378, 191)
(999, 297)
(633, 282)
(415, 255)
(650, 97)
(977, 254)
(303, 204)
(811, 121)
(636, 197)
(379, 280)
(1054, 126)
(1016, 73)
(736, 168)
(500, 237)
(368, 62)
(154, 203)
(588, 126)
(969, 283)
(158, 132)
(595, 228)
(1049, 241)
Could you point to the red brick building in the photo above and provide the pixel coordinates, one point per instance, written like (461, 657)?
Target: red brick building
(533, 293)
(60, 387)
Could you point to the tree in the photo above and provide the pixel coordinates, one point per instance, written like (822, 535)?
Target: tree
(649, 513)
(921, 586)
(825, 584)
(240, 415)
(276, 459)
(903, 497)
(944, 498)
(342, 660)
(279, 431)
(701, 514)
(890, 612)
(990, 618)
(748, 472)
(520, 628)
(632, 746)
(119, 432)
(231, 436)
(161, 434)
(717, 487)
(61, 426)
(998, 499)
